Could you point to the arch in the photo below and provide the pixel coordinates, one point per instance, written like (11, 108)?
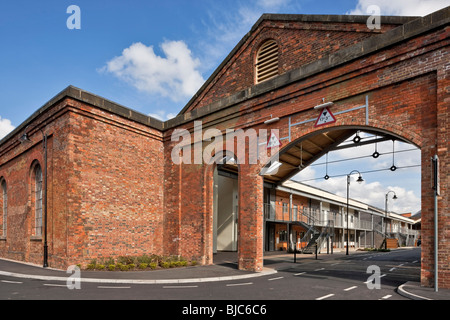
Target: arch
(332, 137)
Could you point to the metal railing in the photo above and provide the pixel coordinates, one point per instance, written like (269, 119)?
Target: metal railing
(312, 216)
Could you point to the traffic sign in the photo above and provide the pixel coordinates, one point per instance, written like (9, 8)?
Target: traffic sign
(325, 117)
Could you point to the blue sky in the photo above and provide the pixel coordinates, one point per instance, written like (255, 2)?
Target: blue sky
(178, 44)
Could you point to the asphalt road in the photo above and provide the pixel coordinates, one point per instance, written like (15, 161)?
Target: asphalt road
(331, 277)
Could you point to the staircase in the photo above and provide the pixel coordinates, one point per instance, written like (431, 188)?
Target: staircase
(318, 237)
(311, 246)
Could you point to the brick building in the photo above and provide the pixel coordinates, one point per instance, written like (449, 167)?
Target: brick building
(86, 178)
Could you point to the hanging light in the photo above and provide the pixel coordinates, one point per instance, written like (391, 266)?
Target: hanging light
(24, 138)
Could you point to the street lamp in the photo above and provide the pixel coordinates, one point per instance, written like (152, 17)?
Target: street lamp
(23, 139)
(360, 180)
(385, 214)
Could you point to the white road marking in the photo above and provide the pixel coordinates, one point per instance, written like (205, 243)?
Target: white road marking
(275, 278)
(372, 279)
(386, 297)
(351, 288)
(178, 287)
(392, 269)
(299, 274)
(239, 284)
(320, 269)
(7, 281)
(109, 287)
(55, 285)
(325, 297)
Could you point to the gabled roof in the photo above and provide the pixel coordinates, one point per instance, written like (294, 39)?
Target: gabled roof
(287, 18)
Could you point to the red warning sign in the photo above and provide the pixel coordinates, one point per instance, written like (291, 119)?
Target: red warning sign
(325, 117)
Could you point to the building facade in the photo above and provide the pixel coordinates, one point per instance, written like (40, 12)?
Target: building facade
(84, 177)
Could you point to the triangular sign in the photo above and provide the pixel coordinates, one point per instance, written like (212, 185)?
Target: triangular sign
(325, 117)
(273, 141)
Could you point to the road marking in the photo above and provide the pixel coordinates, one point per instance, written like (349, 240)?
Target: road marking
(325, 297)
(299, 274)
(320, 269)
(109, 287)
(55, 285)
(392, 269)
(239, 284)
(7, 281)
(178, 287)
(275, 278)
(415, 261)
(336, 264)
(386, 297)
(384, 275)
(351, 288)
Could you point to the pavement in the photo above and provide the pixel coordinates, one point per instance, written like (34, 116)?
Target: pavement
(223, 269)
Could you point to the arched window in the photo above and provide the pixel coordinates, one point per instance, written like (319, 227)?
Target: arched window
(4, 207)
(37, 200)
(267, 61)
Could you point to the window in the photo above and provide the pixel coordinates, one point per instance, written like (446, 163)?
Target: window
(267, 61)
(5, 208)
(283, 235)
(38, 200)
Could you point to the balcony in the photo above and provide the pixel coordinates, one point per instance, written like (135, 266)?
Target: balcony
(312, 217)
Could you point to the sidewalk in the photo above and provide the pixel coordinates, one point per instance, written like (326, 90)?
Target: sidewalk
(414, 291)
(223, 271)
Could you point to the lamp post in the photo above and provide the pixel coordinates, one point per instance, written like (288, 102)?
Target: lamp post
(24, 138)
(385, 214)
(360, 180)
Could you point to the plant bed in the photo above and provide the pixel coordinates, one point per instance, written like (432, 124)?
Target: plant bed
(138, 263)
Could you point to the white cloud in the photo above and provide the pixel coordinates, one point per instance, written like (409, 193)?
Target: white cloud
(225, 27)
(5, 127)
(162, 115)
(272, 4)
(175, 76)
(401, 7)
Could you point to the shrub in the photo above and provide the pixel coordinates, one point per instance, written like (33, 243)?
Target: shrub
(153, 265)
(123, 267)
(143, 266)
(100, 267)
(193, 263)
(165, 264)
(90, 266)
(111, 267)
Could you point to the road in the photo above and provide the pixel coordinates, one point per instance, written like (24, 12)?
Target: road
(330, 277)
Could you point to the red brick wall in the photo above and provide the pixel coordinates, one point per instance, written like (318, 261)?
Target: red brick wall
(116, 186)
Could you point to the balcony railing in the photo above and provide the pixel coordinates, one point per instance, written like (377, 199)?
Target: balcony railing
(315, 217)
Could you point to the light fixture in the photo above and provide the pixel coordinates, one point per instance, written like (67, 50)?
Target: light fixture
(272, 169)
(386, 215)
(360, 180)
(323, 105)
(24, 138)
(272, 120)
